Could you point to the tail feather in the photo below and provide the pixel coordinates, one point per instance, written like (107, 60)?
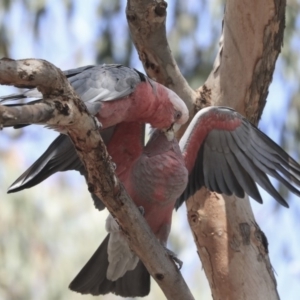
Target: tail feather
(92, 278)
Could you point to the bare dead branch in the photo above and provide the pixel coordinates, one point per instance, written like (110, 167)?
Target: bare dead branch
(62, 107)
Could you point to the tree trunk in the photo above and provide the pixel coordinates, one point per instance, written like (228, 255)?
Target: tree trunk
(231, 246)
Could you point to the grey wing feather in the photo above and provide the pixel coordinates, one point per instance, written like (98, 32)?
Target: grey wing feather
(92, 278)
(222, 172)
(269, 163)
(104, 83)
(73, 72)
(95, 83)
(246, 181)
(233, 161)
(227, 174)
(120, 256)
(60, 156)
(270, 153)
(256, 173)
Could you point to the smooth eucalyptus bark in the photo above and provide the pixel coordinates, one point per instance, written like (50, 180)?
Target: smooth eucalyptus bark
(231, 246)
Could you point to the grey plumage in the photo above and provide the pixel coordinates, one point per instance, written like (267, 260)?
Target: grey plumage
(233, 160)
(120, 257)
(60, 156)
(92, 278)
(94, 83)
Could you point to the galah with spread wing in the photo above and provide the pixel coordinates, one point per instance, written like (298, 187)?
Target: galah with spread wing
(227, 154)
(220, 150)
(114, 94)
(153, 176)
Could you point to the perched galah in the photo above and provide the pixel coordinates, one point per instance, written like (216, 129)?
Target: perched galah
(114, 94)
(220, 150)
(153, 176)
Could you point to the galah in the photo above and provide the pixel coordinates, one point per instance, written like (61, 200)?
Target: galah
(220, 150)
(114, 94)
(227, 154)
(153, 176)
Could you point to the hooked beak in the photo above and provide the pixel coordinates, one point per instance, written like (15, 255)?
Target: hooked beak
(170, 132)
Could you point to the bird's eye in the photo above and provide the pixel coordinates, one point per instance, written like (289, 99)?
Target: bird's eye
(178, 115)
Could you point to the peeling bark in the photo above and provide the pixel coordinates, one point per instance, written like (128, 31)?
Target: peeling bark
(232, 248)
(62, 107)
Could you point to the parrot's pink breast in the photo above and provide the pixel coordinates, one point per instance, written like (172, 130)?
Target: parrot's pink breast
(156, 184)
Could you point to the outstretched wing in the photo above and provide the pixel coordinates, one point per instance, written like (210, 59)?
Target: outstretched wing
(227, 154)
(60, 156)
(124, 142)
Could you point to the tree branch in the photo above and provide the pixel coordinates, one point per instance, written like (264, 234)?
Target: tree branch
(62, 107)
(147, 20)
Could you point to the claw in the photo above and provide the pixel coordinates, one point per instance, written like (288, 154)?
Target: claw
(114, 166)
(176, 260)
(142, 210)
(98, 124)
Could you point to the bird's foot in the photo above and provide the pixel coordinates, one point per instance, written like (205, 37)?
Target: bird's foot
(176, 260)
(98, 123)
(142, 210)
(97, 202)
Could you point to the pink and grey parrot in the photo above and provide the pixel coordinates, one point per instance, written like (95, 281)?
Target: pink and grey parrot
(115, 94)
(227, 154)
(153, 176)
(220, 150)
